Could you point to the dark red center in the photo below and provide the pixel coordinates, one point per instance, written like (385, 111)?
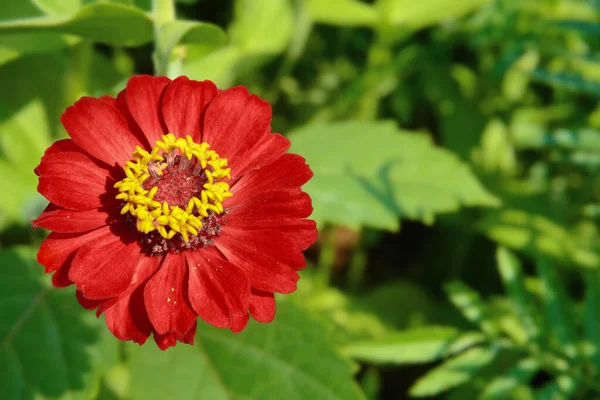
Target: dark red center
(178, 183)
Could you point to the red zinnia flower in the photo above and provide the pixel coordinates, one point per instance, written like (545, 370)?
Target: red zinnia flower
(173, 201)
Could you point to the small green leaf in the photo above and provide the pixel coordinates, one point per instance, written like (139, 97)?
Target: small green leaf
(557, 307)
(567, 81)
(262, 27)
(343, 12)
(415, 346)
(514, 282)
(49, 345)
(108, 23)
(561, 389)
(286, 359)
(501, 387)
(537, 235)
(368, 172)
(453, 372)
(58, 7)
(417, 15)
(471, 305)
(200, 35)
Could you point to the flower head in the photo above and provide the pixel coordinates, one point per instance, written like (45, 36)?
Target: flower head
(174, 201)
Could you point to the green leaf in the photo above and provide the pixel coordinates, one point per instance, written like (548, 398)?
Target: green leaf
(217, 66)
(14, 46)
(514, 282)
(471, 305)
(286, 359)
(561, 389)
(417, 15)
(591, 323)
(567, 81)
(109, 23)
(49, 345)
(413, 346)
(501, 387)
(201, 35)
(558, 317)
(58, 7)
(28, 111)
(453, 372)
(262, 27)
(366, 173)
(343, 12)
(537, 235)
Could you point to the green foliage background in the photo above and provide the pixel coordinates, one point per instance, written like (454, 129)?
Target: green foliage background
(456, 151)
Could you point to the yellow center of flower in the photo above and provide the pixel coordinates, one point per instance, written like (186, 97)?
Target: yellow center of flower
(172, 188)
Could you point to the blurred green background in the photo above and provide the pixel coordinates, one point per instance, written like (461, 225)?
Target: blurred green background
(456, 150)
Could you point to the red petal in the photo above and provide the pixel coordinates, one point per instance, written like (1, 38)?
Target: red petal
(269, 259)
(235, 121)
(89, 304)
(280, 210)
(184, 104)
(127, 319)
(108, 99)
(166, 295)
(121, 105)
(217, 289)
(60, 279)
(104, 268)
(288, 172)
(60, 146)
(100, 130)
(268, 149)
(262, 306)
(239, 322)
(56, 250)
(71, 180)
(144, 94)
(67, 221)
(170, 339)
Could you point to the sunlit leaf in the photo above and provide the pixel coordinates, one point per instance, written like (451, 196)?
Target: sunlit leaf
(566, 81)
(514, 282)
(263, 27)
(343, 12)
(537, 235)
(419, 14)
(367, 173)
(108, 23)
(50, 347)
(414, 346)
(503, 386)
(471, 305)
(453, 372)
(58, 7)
(286, 359)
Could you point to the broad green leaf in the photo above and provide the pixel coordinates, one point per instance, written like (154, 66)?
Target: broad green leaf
(366, 173)
(50, 347)
(472, 306)
(14, 46)
(28, 111)
(537, 235)
(416, 15)
(514, 282)
(58, 7)
(10, 10)
(286, 359)
(217, 66)
(453, 372)
(262, 27)
(343, 12)
(502, 387)
(415, 346)
(201, 35)
(558, 310)
(108, 23)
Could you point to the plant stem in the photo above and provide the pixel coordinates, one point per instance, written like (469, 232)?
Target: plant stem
(163, 12)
